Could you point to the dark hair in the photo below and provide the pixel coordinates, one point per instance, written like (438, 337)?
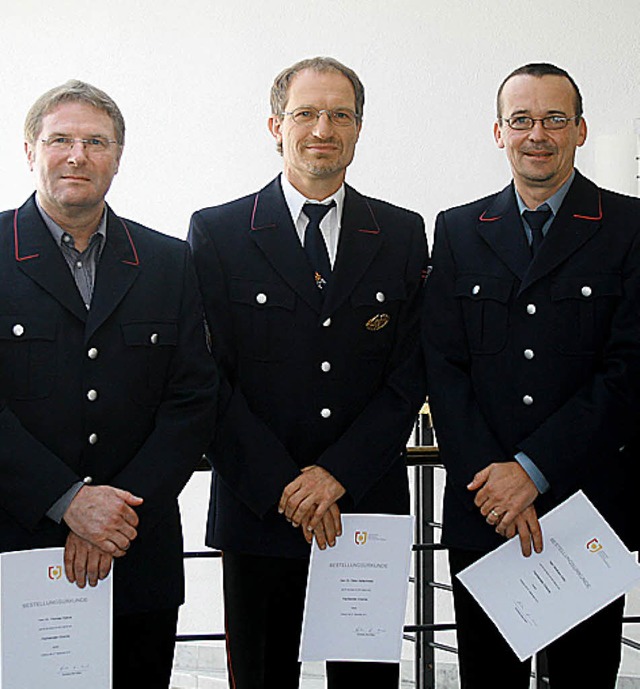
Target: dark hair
(542, 69)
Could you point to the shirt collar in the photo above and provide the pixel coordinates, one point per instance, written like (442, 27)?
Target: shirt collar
(553, 202)
(58, 233)
(295, 200)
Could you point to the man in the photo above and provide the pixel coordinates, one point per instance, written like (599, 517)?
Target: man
(106, 382)
(314, 312)
(533, 359)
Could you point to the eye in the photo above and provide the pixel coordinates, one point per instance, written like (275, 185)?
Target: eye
(521, 122)
(343, 116)
(304, 114)
(59, 141)
(96, 142)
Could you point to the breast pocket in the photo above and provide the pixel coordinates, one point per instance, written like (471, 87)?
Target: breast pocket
(485, 306)
(376, 306)
(583, 309)
(150, 345)
(263, 315)
(28, 352)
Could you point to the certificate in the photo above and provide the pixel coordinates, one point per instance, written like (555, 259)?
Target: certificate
(357, 591)
(533, 601)
(52, 633)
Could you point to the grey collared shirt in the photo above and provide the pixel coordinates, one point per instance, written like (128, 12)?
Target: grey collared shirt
(553, 203)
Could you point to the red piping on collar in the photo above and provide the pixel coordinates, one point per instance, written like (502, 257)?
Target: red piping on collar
(15, 240)
(253, 215)
(592, 217)
(136, 261)
(373, 217)
(484, 219)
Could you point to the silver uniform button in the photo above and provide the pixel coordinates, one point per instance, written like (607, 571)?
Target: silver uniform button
(92, 353)
(87, 480)
(325, 366)
(154, 338)
(261, 298)
(531, 309)
(528, 354)
(326, 323)
(18, 330)
(78, 264)
(93, 439)
(325, 413)
(476, 289)
(586, 291)
(380, 297)
(528, 400)
(92, 395)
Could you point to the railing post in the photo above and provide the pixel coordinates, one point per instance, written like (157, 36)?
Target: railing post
(424, 574)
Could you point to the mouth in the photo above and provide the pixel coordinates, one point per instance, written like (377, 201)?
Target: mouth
(75, 178)
(538, 155)
(322, 146)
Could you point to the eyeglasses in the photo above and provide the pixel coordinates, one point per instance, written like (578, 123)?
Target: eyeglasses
(306, 117)
(522, 123)
(94, 145)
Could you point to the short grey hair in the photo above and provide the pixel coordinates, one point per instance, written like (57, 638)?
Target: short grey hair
(280, 88)
(70, 92)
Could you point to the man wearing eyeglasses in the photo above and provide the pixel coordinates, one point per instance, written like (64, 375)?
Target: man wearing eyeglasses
(532, 342)
(106, 384)
(312, 292)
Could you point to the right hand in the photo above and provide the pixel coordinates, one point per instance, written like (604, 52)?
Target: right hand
(328, 529)
(83, 562)
(105, 517)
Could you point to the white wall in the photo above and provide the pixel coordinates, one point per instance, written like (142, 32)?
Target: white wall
(192, 79)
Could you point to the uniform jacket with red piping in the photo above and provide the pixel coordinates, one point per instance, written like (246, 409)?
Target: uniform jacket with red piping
(309, 379)
(141, 347)
(540, 356)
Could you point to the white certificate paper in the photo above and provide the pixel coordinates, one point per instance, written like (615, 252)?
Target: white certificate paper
(533, 601)
(357, 591)
(52, 633)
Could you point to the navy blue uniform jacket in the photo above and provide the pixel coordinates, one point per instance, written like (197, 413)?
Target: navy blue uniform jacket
(272, 331)
(541, 357)
(141, 346)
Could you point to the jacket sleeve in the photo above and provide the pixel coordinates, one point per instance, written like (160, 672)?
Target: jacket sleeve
(242, 440)
(377, 437)
(466, 442)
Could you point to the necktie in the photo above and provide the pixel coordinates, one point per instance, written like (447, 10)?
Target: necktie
(314, 243)
(536, 221)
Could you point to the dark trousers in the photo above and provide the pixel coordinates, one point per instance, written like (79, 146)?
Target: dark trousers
(586, 656)
(264, 603)
(143, 646)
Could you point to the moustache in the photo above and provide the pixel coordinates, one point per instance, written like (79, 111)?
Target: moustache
(545, 148)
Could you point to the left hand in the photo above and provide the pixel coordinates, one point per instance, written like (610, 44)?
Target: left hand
(328, 530)
(527, 526)
(84, 561)
(504, 489)
(306, 499)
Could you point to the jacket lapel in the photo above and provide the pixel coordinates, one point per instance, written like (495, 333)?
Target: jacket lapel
(501, 227)
(118, 269)
(273, 232)
(579, 218)
(360, 240)
(38, 257)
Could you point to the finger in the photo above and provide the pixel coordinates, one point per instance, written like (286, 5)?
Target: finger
(317, 515)
(320, 537)
(308, 536)
(129, 498)
(536, 535)
(303, 512)
(69, 554)
(329, 530)
(80, 567)
(93, 566)
(525, 538)
(334, 513)
(104, 566)
(479, 479)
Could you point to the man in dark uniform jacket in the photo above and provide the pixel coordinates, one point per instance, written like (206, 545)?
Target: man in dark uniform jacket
(106, 384)
(317, 343)
(532, 336)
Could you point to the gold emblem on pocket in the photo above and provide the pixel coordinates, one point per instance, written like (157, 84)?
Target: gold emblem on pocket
(378, 321)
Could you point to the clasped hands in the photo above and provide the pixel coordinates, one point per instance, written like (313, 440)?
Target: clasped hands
(310, 502)
(505, 496)
(102, 525)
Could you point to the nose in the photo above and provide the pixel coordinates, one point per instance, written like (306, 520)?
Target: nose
(77, 152)
(323, 126)
(537, 132)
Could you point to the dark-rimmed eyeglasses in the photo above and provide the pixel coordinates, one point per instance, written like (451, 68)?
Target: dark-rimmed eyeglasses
(307, 116)
(523, 122)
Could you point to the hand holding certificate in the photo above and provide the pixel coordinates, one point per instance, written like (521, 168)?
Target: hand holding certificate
(52, 633)
(357, 591)
(533, 601)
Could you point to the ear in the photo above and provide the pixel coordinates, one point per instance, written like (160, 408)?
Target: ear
(582, 132)
(275, 127)
(497, 134)
(31, 154)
